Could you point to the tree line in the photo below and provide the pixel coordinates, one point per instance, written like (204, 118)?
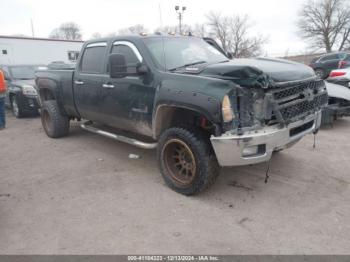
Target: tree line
(323, 24)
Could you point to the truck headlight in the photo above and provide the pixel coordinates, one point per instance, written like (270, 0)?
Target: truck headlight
(29, 90)
(227, 112)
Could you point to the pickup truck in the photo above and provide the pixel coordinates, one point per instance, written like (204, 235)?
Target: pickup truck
(183, 96)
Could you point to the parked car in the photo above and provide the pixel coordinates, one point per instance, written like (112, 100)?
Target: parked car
(340, 77)
(339, 102)
(324, 64)
(187, 99)
(21, 95)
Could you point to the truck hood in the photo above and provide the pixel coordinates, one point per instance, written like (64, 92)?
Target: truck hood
(258, 72)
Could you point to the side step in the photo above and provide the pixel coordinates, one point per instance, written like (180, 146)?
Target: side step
(87, 126)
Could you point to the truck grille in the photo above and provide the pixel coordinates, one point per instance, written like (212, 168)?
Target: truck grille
(294, 102)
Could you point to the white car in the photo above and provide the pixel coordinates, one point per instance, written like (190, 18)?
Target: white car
(338, 99)
(340, 76)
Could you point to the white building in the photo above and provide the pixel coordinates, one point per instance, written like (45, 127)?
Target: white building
(26, 50)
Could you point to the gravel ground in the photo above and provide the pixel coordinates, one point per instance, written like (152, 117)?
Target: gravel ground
(83, 195)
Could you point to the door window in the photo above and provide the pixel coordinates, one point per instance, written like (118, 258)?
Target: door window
(131, 54)
(329, 57)
(93, 59)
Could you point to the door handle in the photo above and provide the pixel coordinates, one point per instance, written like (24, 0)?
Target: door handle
(108, 85)
(78, 82)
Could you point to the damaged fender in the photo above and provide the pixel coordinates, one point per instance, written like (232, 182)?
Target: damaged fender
(202, 95)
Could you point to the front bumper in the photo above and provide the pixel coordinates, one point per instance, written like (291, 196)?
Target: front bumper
(29, 103)
(231, 149)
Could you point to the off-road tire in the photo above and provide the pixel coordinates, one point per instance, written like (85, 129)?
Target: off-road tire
(207, 168)
(54, 123)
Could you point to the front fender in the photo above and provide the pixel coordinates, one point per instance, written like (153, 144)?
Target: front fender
(338, 91)
(201, 94)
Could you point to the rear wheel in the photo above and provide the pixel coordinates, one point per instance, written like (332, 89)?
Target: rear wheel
(186, 160)
(54, 123)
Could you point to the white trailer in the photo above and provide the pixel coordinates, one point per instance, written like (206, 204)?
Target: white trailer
(26, 50)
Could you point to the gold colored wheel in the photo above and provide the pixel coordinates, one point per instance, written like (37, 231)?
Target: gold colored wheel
(179, 162)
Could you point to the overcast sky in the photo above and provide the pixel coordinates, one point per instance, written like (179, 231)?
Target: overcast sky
(274, 18)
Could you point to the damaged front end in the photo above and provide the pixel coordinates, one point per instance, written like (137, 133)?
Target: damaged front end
(269, 116)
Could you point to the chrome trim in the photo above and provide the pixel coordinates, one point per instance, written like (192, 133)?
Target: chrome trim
(132, 46)
(96, 44)
(108, 86)
(78, 82)
(87, 126)
(229, 147)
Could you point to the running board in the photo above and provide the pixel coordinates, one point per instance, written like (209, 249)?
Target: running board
(87, 126)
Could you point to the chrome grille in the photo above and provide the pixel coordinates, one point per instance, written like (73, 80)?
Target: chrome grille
(293, 90)
(294, 102)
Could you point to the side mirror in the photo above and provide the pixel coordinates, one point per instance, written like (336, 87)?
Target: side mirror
(117, 66)
(141, 69)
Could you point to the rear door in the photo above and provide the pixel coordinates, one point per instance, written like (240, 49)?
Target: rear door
(88, 80)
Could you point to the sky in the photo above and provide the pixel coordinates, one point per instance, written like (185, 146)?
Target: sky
(275, 19)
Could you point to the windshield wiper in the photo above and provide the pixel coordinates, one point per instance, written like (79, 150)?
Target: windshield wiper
(186, 65)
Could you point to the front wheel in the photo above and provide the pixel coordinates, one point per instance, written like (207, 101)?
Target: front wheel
(54, 123)
(186, 160)
(15, 106)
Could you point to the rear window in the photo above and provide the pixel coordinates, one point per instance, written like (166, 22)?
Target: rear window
(93, 59)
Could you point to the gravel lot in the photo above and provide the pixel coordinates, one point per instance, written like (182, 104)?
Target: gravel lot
(83, 195)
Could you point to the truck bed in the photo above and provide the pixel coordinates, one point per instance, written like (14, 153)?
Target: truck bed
(61, 82)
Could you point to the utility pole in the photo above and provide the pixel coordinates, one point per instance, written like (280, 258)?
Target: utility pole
(180, 12)
(32, 26)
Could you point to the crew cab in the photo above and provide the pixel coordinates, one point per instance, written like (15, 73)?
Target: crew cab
(184, 97)
(21, 95)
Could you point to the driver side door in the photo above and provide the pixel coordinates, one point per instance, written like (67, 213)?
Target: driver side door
(127, 102)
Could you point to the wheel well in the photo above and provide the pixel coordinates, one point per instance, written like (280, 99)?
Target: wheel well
(46, 94)
(170, 116)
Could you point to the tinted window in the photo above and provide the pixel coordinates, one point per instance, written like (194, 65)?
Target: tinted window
(130, 56)
(93, 59)
(330, 57)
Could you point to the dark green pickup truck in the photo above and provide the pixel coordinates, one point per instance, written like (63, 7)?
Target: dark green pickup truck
(183, 96)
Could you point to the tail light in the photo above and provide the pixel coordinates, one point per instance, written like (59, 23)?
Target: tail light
(342, 64)
(336, 73)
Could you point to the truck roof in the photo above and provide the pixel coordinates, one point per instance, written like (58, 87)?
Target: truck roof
(137, 37)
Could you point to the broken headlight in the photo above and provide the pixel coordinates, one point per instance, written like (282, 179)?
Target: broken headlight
(227, 112)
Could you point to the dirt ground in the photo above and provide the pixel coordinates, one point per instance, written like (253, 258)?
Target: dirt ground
(82, 195)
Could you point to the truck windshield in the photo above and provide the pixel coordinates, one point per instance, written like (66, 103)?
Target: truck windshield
(23, 72)
(176, 52)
